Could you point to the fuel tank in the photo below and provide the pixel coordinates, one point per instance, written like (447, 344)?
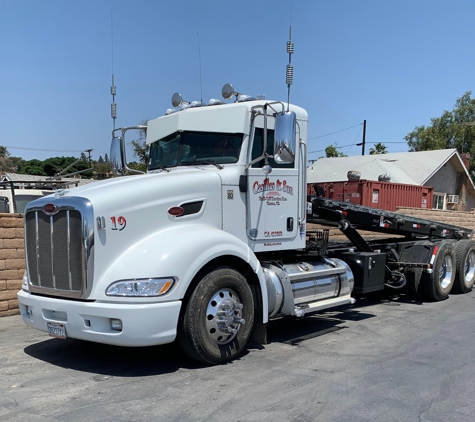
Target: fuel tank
(303, 287)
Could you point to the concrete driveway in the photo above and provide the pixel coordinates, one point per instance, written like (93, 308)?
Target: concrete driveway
(384, 359)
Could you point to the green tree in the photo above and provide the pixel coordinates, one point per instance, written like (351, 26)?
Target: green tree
(137, 166)
(378, 148)
(56, 165)
(454, 129)
(332, 151)
(9, 164)
(101, 169)
(4, 152)
(140, 149)
(33, 167)
(52, 166)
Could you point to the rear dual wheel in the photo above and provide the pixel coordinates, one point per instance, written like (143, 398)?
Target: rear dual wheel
(465, 266)
(438, 284)
(218, 317)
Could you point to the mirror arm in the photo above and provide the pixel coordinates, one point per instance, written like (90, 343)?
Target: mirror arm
(256, 160)
(264, 149)
(122, 147)
(303, 169)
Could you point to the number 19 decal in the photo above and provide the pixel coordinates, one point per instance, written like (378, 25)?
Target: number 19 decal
(119, 223)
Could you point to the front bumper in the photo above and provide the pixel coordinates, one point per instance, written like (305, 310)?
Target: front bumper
(142, 324)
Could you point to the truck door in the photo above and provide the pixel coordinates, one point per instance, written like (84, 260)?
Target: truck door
(272, 219)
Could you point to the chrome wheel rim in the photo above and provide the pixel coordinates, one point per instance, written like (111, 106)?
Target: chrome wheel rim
(470, 267)
(446, 271)
(224, 316)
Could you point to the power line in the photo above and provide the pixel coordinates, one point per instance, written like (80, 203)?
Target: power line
(320, 150)
(356, 137)
(53, 150)
(344, 146)
(43, 149)
(338, 131)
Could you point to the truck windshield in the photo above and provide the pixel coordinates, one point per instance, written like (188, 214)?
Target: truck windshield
(188, 148)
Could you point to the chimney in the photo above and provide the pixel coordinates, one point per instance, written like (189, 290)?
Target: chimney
(466, 160)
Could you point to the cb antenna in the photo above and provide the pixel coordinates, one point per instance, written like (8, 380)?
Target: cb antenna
(290, 69)
(113, 89)
(199, 58)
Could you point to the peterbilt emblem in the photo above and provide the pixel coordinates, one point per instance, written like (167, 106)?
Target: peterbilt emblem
(50, 209)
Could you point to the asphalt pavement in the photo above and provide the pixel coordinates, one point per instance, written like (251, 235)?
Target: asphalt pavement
(386, 358)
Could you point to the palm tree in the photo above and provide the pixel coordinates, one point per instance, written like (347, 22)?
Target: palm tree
(378, 148)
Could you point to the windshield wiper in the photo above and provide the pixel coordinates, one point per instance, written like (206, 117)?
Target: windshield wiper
(214, 163)
(160, 168)
(201, 161)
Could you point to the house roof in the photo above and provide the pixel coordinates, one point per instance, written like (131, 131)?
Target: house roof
(414, 168)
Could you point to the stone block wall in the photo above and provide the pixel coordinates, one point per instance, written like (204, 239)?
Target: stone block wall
(457, 218)
(12, 262)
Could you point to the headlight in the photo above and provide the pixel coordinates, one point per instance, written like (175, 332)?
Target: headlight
(24, 282)
(141, 288)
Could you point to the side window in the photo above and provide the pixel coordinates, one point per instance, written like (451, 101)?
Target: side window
(4, 204)
(257, 149)
(439, 201)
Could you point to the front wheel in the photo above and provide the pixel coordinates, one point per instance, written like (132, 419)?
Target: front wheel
(218, 317)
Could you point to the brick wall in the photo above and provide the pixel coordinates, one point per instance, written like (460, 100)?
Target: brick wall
(12, 262)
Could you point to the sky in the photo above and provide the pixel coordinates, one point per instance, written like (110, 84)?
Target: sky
(395, 64)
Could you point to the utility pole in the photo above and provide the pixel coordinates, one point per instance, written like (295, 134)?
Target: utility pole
(89, 152)
(364, 137)
(362, 144)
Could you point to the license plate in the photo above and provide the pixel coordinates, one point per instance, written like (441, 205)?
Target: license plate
(56, 329)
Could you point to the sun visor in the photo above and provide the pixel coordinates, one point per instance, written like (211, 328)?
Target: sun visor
(227, 119)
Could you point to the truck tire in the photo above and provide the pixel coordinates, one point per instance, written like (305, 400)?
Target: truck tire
(218, 317)
(465, 266)
(438, 284)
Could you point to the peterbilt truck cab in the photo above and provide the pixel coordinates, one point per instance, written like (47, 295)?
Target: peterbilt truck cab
(203, 248)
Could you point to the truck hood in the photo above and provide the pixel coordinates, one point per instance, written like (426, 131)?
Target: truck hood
(142, 191)
(137, 207)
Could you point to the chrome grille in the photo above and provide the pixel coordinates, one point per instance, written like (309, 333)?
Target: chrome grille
(55, 250)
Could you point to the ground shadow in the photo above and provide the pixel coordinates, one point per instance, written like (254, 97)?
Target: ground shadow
(109, 360)
(386, 297)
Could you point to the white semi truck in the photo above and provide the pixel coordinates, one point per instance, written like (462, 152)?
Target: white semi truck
(211, 243)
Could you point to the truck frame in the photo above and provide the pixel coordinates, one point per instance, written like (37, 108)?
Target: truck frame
(212, 242)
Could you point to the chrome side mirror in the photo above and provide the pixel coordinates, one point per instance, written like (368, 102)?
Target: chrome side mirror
(117, 157)
(285, 137)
